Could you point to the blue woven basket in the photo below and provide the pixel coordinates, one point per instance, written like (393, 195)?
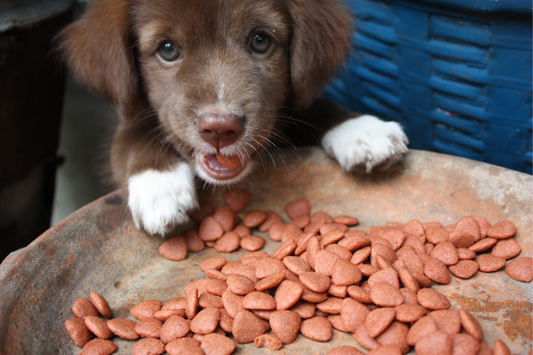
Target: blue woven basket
(455, 73)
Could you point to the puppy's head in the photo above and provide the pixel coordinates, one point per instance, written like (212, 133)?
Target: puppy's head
(215, 74)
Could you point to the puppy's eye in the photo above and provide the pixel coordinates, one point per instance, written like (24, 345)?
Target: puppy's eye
(169, 52)
(260, 43)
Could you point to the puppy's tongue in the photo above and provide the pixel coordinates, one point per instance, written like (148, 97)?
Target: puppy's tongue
(221, 167)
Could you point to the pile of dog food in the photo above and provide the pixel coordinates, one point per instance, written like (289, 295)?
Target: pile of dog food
(323, 276)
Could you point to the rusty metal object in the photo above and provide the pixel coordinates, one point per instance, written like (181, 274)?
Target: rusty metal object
(99, 249)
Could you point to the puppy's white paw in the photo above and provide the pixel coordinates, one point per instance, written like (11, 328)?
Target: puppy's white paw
(365, 143)
(159, 200)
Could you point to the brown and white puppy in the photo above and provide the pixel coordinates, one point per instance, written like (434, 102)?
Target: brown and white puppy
(191, 79)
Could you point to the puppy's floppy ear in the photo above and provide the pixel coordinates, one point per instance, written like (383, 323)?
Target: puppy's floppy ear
(98, 51)
(320, 45)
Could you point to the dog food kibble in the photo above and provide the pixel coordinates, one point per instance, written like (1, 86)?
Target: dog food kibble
(285, 249)
(287, 294)
(364, 339)
(253, 218)
(345, 350)
(204, 209)
(447, 320)
(317, 328)
(506, 248)
(99, 347)
(146, 309)
(210, 229)
(228, 243)
(226, 217)
(422, 327)
(191, 305)
(98, 327)
(466, 254)
(437, 271)
(438, 342)
(268, 341)
(520, 269)
(252, 242)
(239, 284)
(464, 344)
(378, 320)
(297, 208)
(174, 248)
(194, 243)
(409, 313)
(437, 235)
(259, 301)
(83, 308)
(483, 245)
(347, 220)
(445, 252)
(286, 325)
(301, 221)
(174, 328)
(206, 321)
(470, 324)
(216, 344)
(242, 231)
(388, 275)
(247, 326)
(148, 346)
(149, 328)
(485, 349)
(332, 305)
(324, 261)
(213, 263)
(323, 275)
(208, 300)
(395, 335)
(490, 263)
(231, 162)
(236, 199)
(123, 327)
(78, 331)
(500, 348)
(315, 282)
(176, 346)
(433, 300)
(385, 350)
(100, 304)
(269, 282)
(502, 230)
(296, 264)
(272, 219)
(353, 313)
(464, 269)
(385, 295)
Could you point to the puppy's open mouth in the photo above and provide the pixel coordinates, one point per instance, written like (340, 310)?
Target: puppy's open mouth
(221, 167)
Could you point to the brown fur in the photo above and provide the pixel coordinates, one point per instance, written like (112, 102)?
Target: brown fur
(113, 48)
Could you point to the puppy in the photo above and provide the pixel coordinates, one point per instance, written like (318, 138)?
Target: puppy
(205, 87)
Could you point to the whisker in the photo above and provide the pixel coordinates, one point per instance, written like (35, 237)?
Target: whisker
(268, 151)
(257, 151)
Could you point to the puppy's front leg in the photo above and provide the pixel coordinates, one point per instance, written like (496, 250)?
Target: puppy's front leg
(160, 200)
(160, 184)
(360, 143)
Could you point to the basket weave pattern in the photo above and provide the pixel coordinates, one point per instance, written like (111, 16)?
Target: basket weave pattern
(458, 81)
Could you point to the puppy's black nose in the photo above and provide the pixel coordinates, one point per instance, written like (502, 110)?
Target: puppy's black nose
(220, 130)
